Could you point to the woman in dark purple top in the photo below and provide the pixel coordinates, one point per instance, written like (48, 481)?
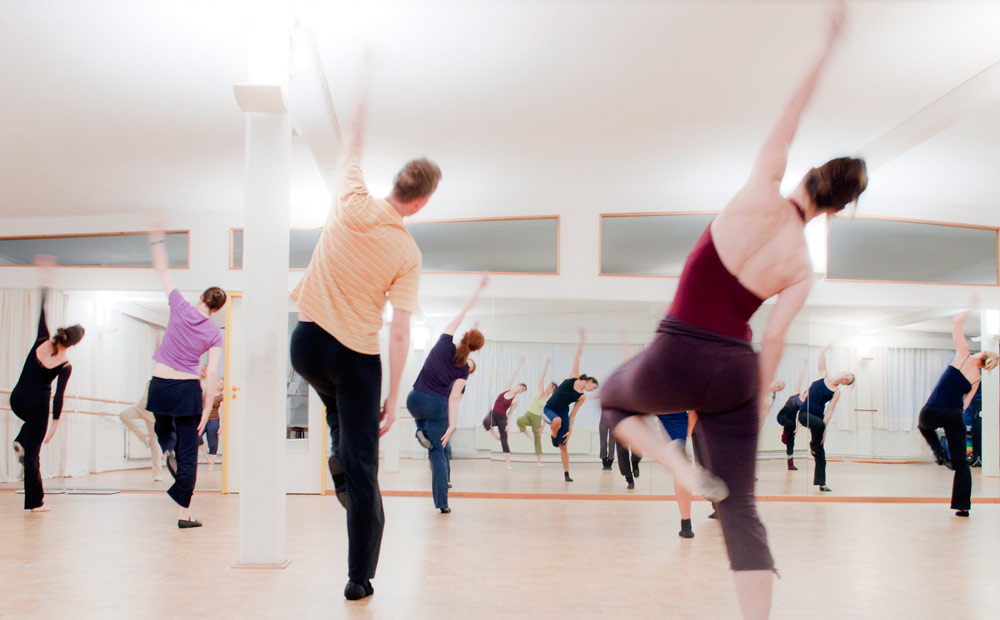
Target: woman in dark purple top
(29, 400)
(433, 401)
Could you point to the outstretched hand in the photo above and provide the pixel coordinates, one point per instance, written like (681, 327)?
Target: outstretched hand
(838, 16)
(484, 281)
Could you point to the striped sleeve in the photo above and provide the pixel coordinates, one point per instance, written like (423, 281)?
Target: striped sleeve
(351, 190)
(404, 290)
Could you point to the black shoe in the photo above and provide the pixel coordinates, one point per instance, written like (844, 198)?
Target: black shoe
(939, 458)
(184, 524)
(962, 513)
(449, 484)
(631, 485)
(714, 515)
(339, 481)
(949, 465)
(555, 442)
(422, 440)
(172, 463)
(19, 451)
(445, 510)
(354, 591)
(635, 470)
(566, 476)
(686, 531)
(825, 488)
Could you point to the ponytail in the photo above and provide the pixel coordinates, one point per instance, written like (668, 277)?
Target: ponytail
(66, 337)
(473, 340)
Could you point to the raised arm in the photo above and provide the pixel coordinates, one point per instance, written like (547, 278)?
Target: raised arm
(452, 327)
(510, 383)
(541, 379)
(773, 156)
(958, 336)
(453, 400)
(790, 301)
(575, 372)
(821, 370)
(45, 263)
(802, 379)
(158, 254)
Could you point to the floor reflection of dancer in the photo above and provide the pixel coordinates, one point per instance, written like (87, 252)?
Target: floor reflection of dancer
(951, 396)
(176, 399)
(788, 417)
(497, 421)
(433, 401)
(701, 358)
(29, 400)
(628, 459)
(533, 416)
(212, 428)
(557, 412)
(817, 408)
(129, 418)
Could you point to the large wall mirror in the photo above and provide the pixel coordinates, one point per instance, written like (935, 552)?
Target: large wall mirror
(127, 249)
(866, 248)
(653, 244)
(301, 242)
(872, 443)
(525, 245)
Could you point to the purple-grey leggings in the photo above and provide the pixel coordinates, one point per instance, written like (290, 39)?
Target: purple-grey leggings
(691, 368)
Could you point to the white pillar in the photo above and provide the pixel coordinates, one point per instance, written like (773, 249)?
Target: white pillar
(265, 337)
(990, 326)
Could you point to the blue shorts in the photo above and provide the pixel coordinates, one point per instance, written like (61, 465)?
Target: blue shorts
(550, 416)
(676, 424)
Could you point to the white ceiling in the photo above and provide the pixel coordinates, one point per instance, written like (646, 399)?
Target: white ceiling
(122, 105)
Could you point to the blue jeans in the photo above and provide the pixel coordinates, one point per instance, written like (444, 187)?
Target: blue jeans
(431, 416)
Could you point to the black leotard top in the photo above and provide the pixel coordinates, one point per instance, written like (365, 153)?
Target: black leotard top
(563, 397)
(950, 390)
(819, 395)
(35, 383)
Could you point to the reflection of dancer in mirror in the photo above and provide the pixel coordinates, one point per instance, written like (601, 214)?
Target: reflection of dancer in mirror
(175, 396)
(701, 358)
(974, 420)
(628, 460)
(433, 401)
(533, 416)
(951, 396)
(788, 416)
(497, 421)
(29, 400)
(817, 408)
(557, 412)
(138, 411)
(211, 432)
(365, 257)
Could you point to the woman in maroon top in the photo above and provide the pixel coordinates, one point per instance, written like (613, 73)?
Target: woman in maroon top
(701, 358)
(497, 422)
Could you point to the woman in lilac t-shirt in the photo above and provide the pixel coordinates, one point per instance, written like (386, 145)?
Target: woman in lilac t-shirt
(175, 396)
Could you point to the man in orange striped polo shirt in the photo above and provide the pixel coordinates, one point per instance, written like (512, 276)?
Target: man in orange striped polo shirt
(364, 257)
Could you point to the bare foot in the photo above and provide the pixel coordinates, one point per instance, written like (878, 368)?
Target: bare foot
(41, 509)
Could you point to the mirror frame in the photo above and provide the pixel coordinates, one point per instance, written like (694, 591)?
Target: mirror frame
(557, 218)
(600, 240)
(128, 233)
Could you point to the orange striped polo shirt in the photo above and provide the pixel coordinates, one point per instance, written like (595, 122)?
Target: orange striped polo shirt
(364, 257)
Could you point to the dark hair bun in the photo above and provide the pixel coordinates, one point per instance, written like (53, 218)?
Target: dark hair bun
(214, 298)
(69, 336)
(837, 182)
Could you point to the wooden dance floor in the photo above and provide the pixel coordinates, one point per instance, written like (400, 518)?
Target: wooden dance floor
(121, 556)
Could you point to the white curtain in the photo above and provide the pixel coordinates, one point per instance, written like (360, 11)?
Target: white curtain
(497, 360)
(911, 374)
(113, 361)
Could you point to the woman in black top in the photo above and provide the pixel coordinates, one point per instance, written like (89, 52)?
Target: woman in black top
(818, 403)
(557, 412)
(29, 400)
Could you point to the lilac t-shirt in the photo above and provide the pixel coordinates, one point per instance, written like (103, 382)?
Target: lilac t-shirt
(188, 336)
(439, 371)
